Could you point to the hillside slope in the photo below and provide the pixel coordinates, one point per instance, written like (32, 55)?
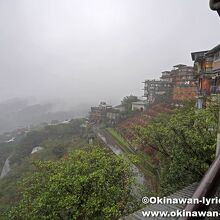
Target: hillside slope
(126, 127)
(48, 143)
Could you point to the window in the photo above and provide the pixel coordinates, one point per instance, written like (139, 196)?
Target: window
(217, 56)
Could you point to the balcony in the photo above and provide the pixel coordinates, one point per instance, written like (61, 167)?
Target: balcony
(215, 89)
(216, 65)
(206, 71)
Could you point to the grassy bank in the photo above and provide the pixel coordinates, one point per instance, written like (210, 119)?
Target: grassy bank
(143, 161)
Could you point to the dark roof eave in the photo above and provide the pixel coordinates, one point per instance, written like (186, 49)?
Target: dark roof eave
(198, 52)
(213, 50)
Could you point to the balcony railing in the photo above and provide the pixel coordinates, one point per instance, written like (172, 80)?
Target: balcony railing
(206, 189)
(207, 71)
(215, 89)
(208, 92)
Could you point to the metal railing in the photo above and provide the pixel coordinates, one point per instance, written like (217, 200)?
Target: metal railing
(207, 188)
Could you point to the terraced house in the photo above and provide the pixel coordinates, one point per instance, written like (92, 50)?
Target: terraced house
(207, 68)
(176, 85)
(184, 83)
(157, 90)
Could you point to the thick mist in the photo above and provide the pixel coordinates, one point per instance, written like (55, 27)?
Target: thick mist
(79, 52)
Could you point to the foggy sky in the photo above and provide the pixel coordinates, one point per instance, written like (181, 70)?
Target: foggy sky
(91, 50)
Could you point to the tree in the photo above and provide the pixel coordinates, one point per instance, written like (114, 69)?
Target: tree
(88, 184)
(127, 102)
(185, 142)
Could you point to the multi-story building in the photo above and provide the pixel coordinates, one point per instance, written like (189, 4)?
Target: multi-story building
(203, 69)
(105, 113)
(182, 74)
(216, 61)
(113, 115)
(98, 114)
(178, 84)
(207, 68)
(157, 90)
(184, 83)
(214, 56)
(166, 76)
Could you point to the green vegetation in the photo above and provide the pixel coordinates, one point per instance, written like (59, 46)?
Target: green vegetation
(142, 162)
(185, 142)
(127, 102)
(120, 140)
(69, 179)
(57, 141)
(88, 184)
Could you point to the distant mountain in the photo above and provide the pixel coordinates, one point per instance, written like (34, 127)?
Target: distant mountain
(18, 113)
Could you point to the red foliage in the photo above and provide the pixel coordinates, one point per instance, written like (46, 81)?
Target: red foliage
(126, 127)
(149, 150)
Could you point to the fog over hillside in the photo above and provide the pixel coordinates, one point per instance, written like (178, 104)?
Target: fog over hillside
(81, 51)
(17, 113)
(68, 55)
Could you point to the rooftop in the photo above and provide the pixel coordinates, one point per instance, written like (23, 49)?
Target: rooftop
(156, 81)
(179, 65)
(139, 103)
(200, 54)
(213, 50)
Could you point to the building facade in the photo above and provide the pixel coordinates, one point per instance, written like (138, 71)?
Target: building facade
(99, 114)
(113, 115)
(157, 90)
(184, 83)
(166, 76)
(139, 106)
(207, 68)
